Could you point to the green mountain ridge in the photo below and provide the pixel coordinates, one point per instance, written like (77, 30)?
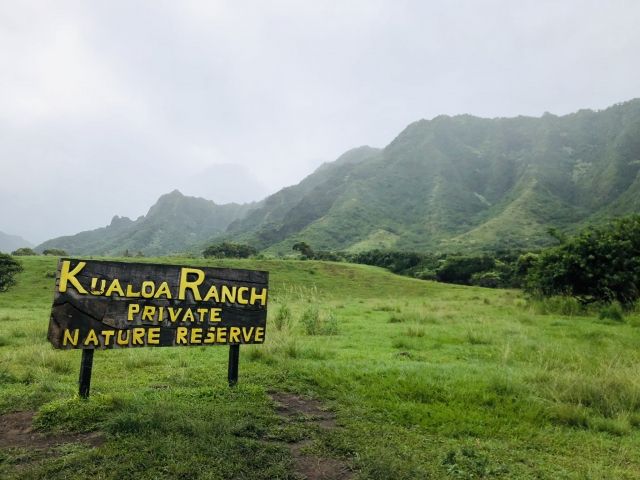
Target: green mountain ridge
(465, 183)
(172, 225)
(459, 183)
(9, 243)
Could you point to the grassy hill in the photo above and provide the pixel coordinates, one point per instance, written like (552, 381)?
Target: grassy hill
(422, 380)
(468, 183)
(172, 225)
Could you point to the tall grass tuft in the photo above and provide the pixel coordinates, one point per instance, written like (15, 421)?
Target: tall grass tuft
(316, 324)
(611, 312)
(311, 321)
(283, 317)
(417, 332)
(567, 306)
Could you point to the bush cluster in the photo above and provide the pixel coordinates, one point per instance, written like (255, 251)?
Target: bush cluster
(9, 269)
(229, 250)
(598, 265)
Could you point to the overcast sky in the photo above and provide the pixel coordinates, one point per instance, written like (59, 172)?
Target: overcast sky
(106, 105)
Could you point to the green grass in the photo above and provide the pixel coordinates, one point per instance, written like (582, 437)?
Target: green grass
(426, 381)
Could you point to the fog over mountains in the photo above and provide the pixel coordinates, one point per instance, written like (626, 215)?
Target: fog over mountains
(459, 183)
(9, 243)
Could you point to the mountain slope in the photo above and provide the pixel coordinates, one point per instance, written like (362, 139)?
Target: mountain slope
(466, 183)
(257, 227)
(9, 243)
(173, 224)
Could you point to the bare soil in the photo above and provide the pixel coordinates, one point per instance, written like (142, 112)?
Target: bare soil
(16, 431)
(310, 467)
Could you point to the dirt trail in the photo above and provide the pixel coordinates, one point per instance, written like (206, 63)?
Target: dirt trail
(308, 466)
(16, 431)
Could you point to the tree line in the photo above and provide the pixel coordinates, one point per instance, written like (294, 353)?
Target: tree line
(598, 264)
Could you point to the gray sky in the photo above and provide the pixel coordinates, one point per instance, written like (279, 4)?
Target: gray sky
(106, 105)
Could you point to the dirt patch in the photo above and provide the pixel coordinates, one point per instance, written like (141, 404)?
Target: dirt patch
(16, 430)
(309, 466)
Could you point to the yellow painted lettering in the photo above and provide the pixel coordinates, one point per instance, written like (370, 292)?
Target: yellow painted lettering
(115, 288)
(148, 313)
(181, 335)
(138, 336)
(153, 336)
(68, 338)
(131, 293)
(245, 335)
(211, 335)
(125, 340)
(148, 289)
(212, 293)
(196, 335)
(92, 337)
(241, 299)
(94, 282)
(259, 338)
(174, 314)
(201, 313)
(67, 276)
(107, 336)
(234, 335)
(191, 285)
(133, 309)
(160, 314)
(163, 290)
(215, 315)
(229, 295)
(222, 335)
(262, 297)
(188, 315)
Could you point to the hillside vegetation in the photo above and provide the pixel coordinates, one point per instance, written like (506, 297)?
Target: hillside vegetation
(466, 183)
(451, 184)
(425, 380)
(173, 224)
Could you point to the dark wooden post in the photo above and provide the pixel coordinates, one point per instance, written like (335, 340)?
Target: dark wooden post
(86, 365)
(234, 359)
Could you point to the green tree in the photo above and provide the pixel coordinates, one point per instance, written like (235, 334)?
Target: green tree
(459, 268)
(24, 251)
(596, 265)
(55, 252)
(9, 269)
(229, 250)
(305, 249)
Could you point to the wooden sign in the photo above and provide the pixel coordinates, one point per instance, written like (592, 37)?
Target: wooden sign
(101, 305)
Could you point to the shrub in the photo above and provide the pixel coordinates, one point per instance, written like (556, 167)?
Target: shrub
(612, 312)
(460, 269)
(426, 274)
(229, 250)
(597, 265)
(486, 279)
(305, 250)
(56, 252)
(9, 269)
(23, 252)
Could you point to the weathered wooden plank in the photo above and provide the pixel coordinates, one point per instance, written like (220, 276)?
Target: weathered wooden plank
(102, 304)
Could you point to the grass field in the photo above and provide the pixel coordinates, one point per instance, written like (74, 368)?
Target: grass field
(425, 380)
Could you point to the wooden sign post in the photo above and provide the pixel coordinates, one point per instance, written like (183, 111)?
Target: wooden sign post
(111, 305)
